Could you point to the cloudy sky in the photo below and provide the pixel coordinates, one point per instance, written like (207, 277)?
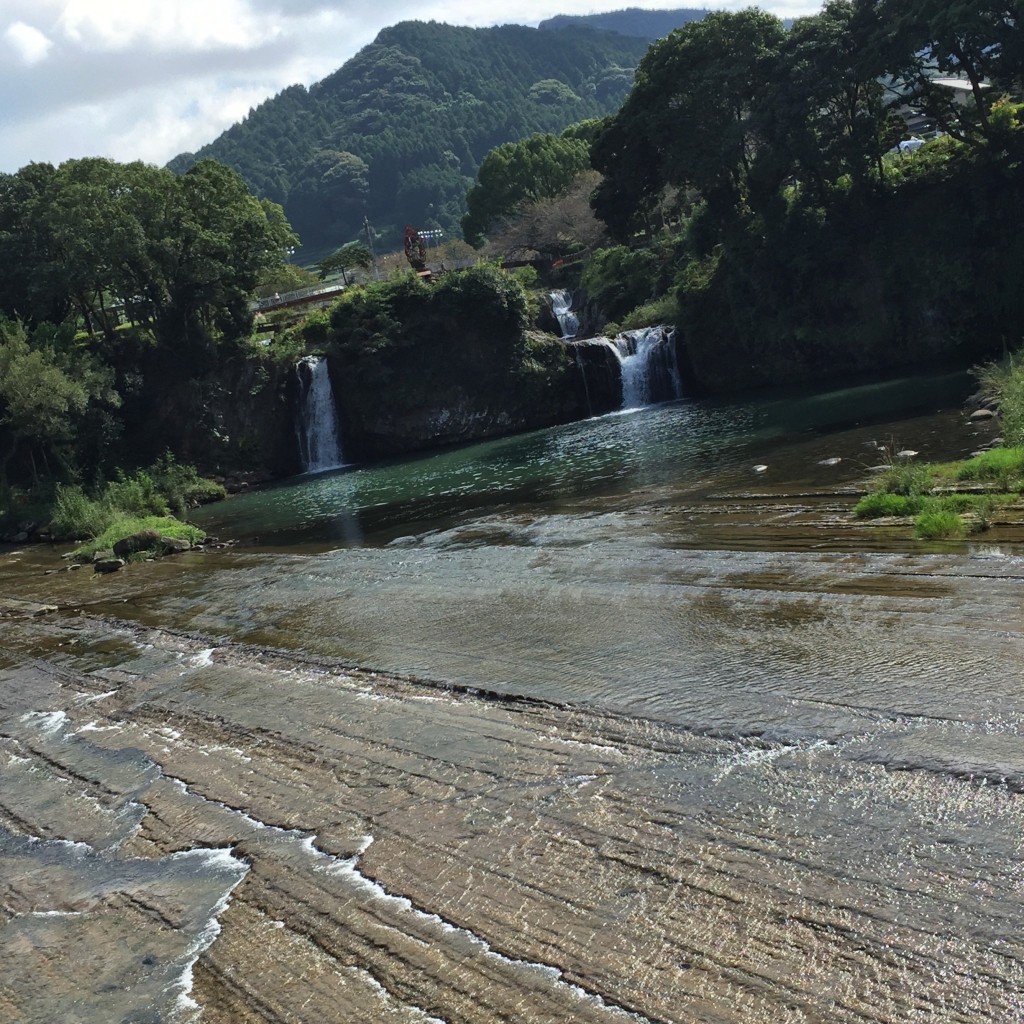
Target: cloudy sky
(147, 79)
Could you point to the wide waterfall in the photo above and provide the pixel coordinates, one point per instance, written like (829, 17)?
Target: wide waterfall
(317, 428)
(561, 306)
(650, 372)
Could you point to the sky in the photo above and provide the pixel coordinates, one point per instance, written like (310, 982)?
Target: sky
(148, 79)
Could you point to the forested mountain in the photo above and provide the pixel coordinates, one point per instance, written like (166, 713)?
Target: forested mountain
(633, 21)
(398, 132)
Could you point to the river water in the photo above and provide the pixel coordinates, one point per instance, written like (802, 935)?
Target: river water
(627, 717)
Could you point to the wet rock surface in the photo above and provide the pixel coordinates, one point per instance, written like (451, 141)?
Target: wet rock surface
(193, 824)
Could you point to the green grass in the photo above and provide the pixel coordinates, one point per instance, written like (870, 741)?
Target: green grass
(907, 489)
(884, 503)
(939, 523)
(996, 464)
(125, 526)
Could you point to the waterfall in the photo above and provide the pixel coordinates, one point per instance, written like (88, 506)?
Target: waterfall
(650, 372)
(561, 306)
(319, 437)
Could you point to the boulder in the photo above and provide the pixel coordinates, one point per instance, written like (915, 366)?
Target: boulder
(982, 414)
(144, 540)
(173, 545)
(107, 565)
(103, 556)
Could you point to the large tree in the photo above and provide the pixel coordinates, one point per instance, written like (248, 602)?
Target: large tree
(48, 386)
(976, 41)
(823, 112)
(540, 167)
(181, 254)
(688, 121)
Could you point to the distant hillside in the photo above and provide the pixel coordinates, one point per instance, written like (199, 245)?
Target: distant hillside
(632, 21)
(398, 132)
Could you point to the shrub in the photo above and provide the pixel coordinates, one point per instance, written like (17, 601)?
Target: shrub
(937, 523)
(884, 503)
(75, 515)
(906, 478)
(136, 495)
(182, 486)
(659, 311)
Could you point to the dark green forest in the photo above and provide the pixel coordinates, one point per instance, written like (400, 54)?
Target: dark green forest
(750, 184)
(398, 132)
(631, 21)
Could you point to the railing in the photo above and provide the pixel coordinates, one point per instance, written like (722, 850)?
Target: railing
(290, 298)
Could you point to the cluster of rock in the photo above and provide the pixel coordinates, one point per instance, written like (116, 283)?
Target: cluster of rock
(985, 413)
(27, 532)
(146, 542)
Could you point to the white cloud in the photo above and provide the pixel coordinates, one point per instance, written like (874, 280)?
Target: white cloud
(29, 44)
(181, 25)
(147, 79)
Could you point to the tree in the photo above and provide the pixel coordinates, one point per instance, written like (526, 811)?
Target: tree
(348, 257)
(687, 121)
(978, 41)
(540, 167)
(181, 254)
(46, 387)
(554, 227)
(823, 112)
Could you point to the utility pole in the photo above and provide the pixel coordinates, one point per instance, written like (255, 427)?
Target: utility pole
(369, 242)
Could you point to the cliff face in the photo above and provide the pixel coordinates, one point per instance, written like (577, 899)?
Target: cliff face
(416, 366)
(419, 408)
(251, 412)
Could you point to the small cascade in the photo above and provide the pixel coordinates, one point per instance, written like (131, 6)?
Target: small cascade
(650, 372)
(318, 433)
(561, 306)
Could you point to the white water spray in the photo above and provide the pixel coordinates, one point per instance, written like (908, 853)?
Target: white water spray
(650, 372)
(561, 306)
(319, 435)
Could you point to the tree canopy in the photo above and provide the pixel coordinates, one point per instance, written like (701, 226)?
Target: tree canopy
(540, 167)
(179, 254)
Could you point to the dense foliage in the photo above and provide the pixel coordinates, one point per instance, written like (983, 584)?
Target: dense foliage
(754, 168)
(540, 167)
(632, 21)
(126, 290)
(398, 132)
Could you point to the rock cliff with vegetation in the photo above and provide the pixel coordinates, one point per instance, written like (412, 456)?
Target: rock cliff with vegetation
(752, 184)
(415, 365)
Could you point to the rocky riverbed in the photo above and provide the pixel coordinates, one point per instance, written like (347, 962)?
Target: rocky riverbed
(693, 747)
(193, 826)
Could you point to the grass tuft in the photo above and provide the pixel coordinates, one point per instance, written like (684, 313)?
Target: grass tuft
(884, 503)
(125, 526)
(938, 523)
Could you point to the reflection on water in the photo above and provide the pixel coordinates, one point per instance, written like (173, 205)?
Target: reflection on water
(690, 446)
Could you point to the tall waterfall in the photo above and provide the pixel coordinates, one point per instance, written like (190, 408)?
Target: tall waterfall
(650, 372)
(561, 306)
(319, 436)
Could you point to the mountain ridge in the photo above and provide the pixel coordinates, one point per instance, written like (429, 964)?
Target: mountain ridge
(396, 134)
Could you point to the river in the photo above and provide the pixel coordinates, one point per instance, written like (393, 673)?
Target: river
(627, 719)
